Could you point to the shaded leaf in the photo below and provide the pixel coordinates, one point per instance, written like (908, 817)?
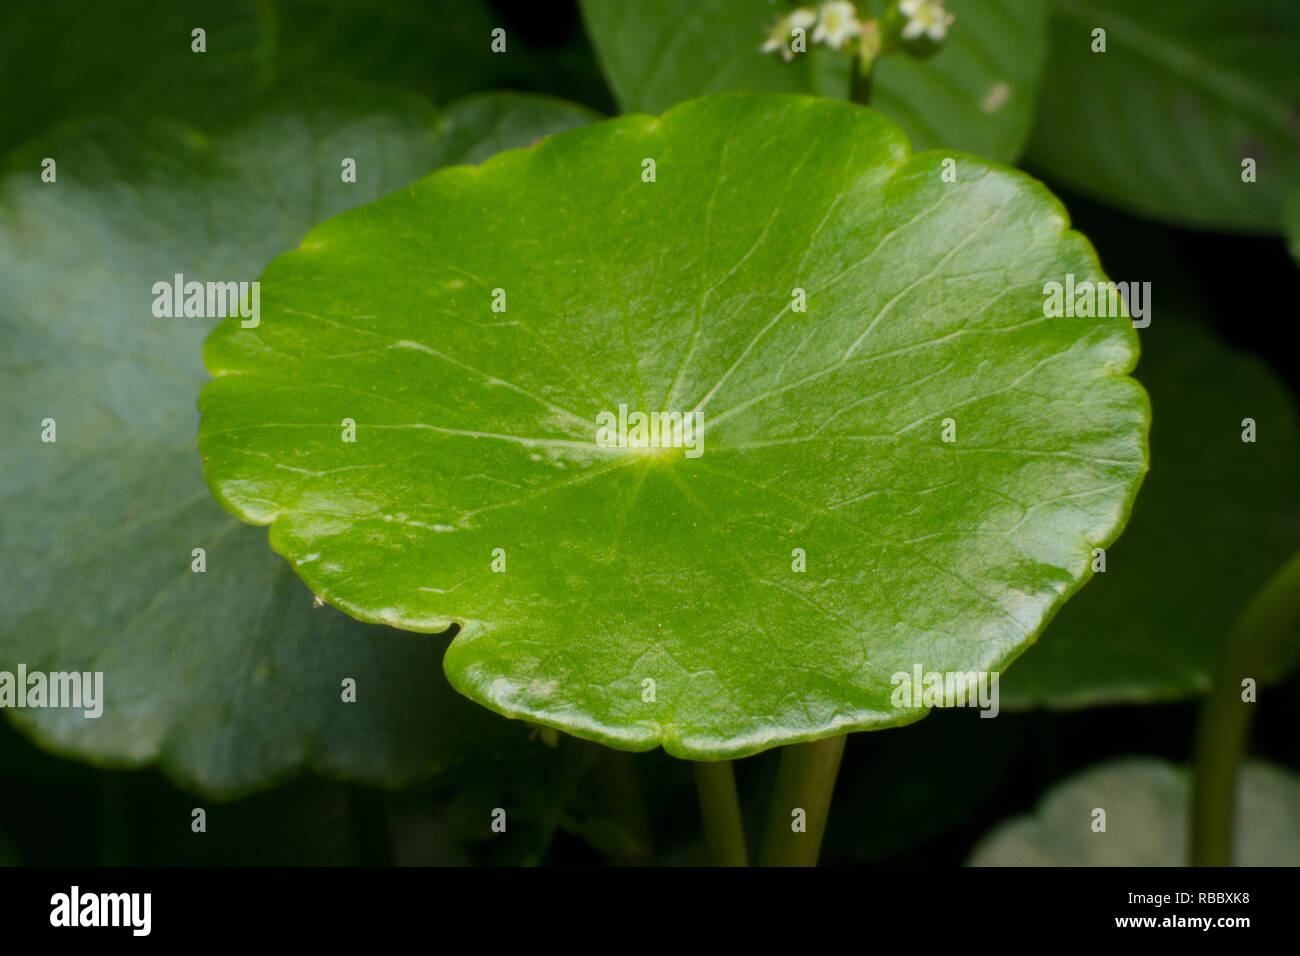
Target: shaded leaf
(55, 52)
(229, 677)
(1146, 803)
(1160, 123)
(67, 59)
(438, 48)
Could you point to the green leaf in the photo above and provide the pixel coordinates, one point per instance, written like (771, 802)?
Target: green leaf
(1216, 517)
(475, 438)
(229, 677)
(1146, 819)
(977, 94)
(1160, 123)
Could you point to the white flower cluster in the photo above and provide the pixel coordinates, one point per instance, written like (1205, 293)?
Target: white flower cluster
(838, 26)
(925, 18)
(783, 32)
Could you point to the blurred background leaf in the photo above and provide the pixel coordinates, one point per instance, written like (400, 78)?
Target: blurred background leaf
(1159, 124)
(230, 678)
(977, 94)
(1146, 819)
(132, 57)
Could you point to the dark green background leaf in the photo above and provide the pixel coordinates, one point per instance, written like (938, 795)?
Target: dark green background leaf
(1159, 124)
(977, 94)
(61, 59)
(132, 59)
(230, 677)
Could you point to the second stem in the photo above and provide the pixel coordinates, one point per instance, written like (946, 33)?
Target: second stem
(724, 830)
(805, 781)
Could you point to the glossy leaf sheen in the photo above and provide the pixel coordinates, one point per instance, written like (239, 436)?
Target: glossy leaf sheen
(1159, 124)
(476, 429)
(230, 678)
(1146, 803)
(977, 94)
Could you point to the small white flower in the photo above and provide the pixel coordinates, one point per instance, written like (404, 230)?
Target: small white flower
(839, 23)
(782, 32)
(925, 18)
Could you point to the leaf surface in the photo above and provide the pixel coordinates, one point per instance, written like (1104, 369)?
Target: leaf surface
(640, 596)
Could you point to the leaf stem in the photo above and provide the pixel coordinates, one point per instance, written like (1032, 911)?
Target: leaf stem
(724, 830)
(805, 780)
(860, 80)
(1256, 637)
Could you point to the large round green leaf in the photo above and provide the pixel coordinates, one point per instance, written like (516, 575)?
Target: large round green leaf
(1161, 122)
(1215, 518)
(586, 576)
(229, 677)
(977, 94)
(1145, 802)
